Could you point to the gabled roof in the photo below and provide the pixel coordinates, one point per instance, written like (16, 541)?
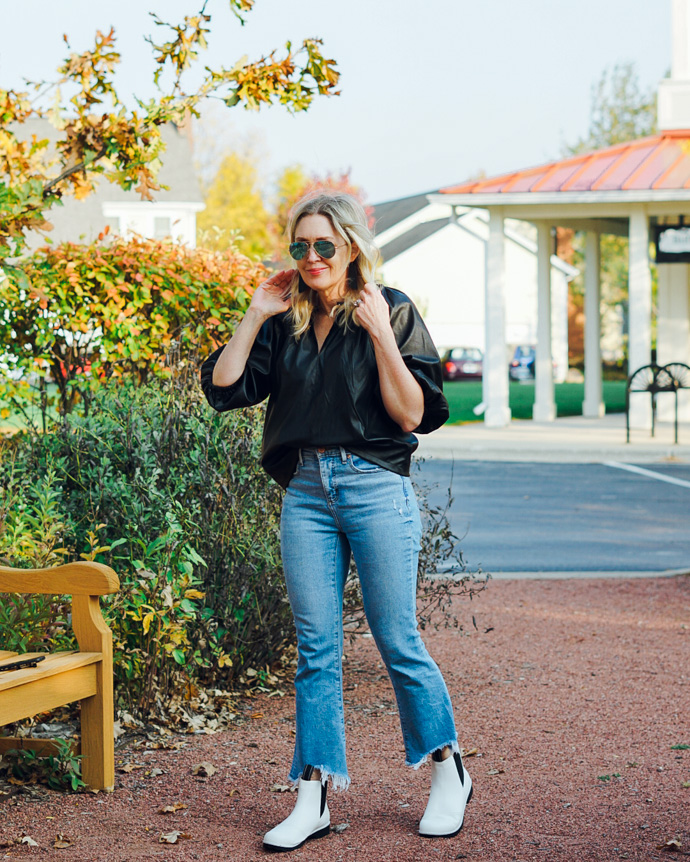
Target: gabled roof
(659, 161)
(412, 237)
(390, 213)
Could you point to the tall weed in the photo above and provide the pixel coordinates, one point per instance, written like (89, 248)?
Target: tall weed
(32, 535)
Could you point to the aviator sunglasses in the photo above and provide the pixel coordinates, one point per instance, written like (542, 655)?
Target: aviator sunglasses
(323, 247)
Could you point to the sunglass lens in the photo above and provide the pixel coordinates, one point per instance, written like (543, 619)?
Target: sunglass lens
(324, 248)
(298, 250)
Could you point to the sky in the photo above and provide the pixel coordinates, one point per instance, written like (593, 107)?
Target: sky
(433, 92)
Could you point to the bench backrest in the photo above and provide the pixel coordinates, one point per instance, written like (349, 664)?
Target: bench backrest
(85, 582)
(75, 579)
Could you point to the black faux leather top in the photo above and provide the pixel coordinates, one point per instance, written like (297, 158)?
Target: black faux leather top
(332, 397)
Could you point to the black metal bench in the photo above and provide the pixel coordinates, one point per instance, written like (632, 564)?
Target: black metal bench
(654, 379)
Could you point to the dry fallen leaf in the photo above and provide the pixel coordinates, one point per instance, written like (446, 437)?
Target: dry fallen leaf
(673, 846)
(234, 792)
(171, 837)
(204, 769)
(62, 842)
(469, 753)
(495, 771)
(340, 827)
(257, 715)
(282, 788)
(155, 772)
(30, 841)
(171, 809)
(130, 767)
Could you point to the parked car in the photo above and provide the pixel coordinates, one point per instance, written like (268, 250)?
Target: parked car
(462, 363)
(523, 362)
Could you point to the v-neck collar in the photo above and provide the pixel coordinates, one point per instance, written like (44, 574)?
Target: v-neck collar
(319, 350)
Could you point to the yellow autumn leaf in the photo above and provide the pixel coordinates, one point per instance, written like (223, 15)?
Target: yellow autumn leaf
(148, 619)
(194, 594)
(224, 660)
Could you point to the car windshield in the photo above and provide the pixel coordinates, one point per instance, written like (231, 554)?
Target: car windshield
(469, 353)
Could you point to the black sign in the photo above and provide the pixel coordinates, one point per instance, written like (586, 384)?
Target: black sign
(672, 244)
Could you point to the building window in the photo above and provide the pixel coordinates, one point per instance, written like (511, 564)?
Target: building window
(161, 227)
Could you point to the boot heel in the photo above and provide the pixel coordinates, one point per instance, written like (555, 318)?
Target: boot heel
(320, 834)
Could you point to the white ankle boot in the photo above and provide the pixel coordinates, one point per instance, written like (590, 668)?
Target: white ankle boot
(310, 818)
(451, 790)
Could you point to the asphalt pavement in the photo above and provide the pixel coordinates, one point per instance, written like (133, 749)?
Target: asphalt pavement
(564, 499)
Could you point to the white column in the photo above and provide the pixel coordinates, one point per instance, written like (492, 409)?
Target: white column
(673, 332)
(593, 405)
(495, 379)
(544, 409)
(639, 312)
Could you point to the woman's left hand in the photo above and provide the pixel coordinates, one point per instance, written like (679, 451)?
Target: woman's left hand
(373, 312)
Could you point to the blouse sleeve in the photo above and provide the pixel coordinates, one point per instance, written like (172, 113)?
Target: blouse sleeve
(422, 359)
(255, 383)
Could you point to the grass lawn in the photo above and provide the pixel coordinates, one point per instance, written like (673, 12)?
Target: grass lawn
(16, 422)
(463, 395)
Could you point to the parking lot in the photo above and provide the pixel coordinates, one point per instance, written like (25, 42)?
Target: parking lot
(522, 516)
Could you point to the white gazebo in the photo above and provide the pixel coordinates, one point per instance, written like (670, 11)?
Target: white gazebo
(632, 189)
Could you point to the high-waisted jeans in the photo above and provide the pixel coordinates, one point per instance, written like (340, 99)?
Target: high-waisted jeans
(337, 503)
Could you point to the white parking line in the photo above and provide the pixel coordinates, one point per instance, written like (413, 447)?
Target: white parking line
(652, 475)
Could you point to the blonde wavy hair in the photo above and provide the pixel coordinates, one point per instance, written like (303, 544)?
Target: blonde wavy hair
(349, 221)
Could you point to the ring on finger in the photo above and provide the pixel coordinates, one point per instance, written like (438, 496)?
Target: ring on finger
(357, 303)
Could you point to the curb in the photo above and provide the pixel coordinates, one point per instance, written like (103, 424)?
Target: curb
(591, 575)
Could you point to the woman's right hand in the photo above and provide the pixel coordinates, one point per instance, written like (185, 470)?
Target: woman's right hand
(273, 295)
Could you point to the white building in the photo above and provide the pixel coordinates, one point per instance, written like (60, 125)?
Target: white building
(436, 254)
(173, 214)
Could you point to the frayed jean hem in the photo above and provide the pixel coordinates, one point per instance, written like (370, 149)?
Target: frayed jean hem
(452, 744)
(338, 782)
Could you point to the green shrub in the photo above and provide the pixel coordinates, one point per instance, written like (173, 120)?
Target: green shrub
(172, 495)
(60, 771)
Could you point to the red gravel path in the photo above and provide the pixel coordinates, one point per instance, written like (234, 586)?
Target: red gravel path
(575, 680)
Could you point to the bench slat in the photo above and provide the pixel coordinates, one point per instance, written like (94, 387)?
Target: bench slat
(41, 695)
(6, 654)
(54, 664)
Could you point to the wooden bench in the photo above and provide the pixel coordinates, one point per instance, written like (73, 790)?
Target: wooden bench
(63, 677)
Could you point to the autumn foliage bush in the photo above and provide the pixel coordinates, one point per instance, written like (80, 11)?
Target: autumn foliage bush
(110, 309)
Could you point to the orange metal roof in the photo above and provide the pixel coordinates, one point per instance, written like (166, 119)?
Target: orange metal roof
(660, 161)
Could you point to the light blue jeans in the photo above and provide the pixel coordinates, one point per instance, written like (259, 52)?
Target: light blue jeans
(337, 503)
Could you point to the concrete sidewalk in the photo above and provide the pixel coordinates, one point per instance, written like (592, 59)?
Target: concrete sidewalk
(571, 439)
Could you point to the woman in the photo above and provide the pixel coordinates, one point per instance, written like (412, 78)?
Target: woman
(350, 371)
